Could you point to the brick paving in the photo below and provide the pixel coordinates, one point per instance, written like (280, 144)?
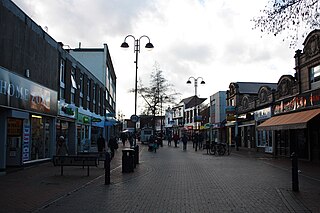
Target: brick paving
(171, 180)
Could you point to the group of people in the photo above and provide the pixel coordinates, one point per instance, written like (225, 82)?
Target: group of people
(197, 140)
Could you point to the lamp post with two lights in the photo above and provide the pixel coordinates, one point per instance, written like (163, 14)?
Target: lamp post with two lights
(195, 93)
(149, 45)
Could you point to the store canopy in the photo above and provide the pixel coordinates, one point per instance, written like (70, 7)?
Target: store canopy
(297, 120)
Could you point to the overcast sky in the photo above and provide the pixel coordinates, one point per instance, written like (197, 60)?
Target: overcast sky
(212, 39)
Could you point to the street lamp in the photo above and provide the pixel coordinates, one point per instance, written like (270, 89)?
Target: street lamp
(136, 50)
(195, 93)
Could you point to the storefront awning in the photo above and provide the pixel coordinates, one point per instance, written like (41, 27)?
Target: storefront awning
(297, 120)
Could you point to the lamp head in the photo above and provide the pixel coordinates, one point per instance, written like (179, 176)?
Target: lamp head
(124, 45)
(149, 45)
(202, 82)
(188, 82)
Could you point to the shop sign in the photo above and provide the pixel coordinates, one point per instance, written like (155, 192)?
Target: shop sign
(67, 110)
(230, 110)
(298, 102)
(20, 93)
(26, 138)
(84, 119)
(99, 122)
(262, 114)
(231, 117)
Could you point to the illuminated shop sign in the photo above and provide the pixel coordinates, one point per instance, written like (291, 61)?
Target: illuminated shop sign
(21, 93)
(67, 110)
(298, 102)
(84, 119)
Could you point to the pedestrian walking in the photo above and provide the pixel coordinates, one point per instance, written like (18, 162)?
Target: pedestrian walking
(113, 145)
(196, 141)
(175, 139)
(101, 144)
(124, 138)
(201, 140)
(169, 139)
(184, 141)
(61, 146)
(130, 138)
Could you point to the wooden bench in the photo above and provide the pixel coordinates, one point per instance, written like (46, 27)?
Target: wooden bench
(75, 160)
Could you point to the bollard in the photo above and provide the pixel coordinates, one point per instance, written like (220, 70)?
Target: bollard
(136, 154)
(107, 169)
(295, 178)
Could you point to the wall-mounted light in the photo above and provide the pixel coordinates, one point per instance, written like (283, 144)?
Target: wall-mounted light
(27, 73)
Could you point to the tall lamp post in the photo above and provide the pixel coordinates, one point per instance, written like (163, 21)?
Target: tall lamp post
(195, 93)
(136, 50)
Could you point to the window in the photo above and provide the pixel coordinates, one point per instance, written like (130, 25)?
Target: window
(81, 90)
(315, 77)
(73, 85)
(88, 93)
(98, 100)
(94, 98)
(62, 78)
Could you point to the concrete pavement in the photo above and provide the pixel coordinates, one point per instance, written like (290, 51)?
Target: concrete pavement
(170, 180)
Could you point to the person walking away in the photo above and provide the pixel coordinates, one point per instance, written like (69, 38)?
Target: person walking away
(61, 147)
(113, 145)
(169, 139)
(184, 141)
(175, 139)
(123, 138)
(196, 141)
(101, 144)
(130, 140)
(200, 140)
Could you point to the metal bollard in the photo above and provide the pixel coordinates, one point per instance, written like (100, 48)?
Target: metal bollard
(295, 177)
(107, 169)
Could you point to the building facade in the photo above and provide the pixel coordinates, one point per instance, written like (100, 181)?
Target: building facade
(46, 93)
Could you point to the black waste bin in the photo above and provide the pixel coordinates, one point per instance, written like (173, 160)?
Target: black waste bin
(127, 160)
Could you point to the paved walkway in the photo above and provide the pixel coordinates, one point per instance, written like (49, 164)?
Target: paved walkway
(170, 180)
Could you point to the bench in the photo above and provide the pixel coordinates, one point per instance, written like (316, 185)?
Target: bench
(75, 160)
(101, 155)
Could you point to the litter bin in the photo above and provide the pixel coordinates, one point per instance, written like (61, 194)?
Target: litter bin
(127, 160)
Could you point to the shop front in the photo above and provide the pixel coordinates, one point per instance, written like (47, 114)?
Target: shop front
(97, 128)
(83, 132)
(264, 138)
(27, 116)
(295, 132)
(65, 125)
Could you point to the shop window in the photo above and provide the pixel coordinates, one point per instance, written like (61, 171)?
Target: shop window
(88, 93)
(73, 85)
(315, 77)
(62, 78)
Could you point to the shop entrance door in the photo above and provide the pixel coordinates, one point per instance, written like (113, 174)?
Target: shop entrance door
(14, 138)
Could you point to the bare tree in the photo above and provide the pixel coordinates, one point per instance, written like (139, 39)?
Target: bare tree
(296, 16)
(159, 93)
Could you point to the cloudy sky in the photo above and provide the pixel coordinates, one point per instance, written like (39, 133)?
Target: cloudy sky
(212, 39)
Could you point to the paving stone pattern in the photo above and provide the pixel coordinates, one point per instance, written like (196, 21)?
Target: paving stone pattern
(173, 180)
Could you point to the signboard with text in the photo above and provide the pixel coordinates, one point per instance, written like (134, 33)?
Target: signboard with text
(20, 93)
(298, 102)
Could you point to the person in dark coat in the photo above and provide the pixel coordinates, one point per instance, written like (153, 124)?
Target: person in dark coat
(175, 139)
(184, 141)
(113, 145)
(101, 143)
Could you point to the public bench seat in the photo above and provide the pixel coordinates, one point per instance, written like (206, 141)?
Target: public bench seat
(75, 160)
